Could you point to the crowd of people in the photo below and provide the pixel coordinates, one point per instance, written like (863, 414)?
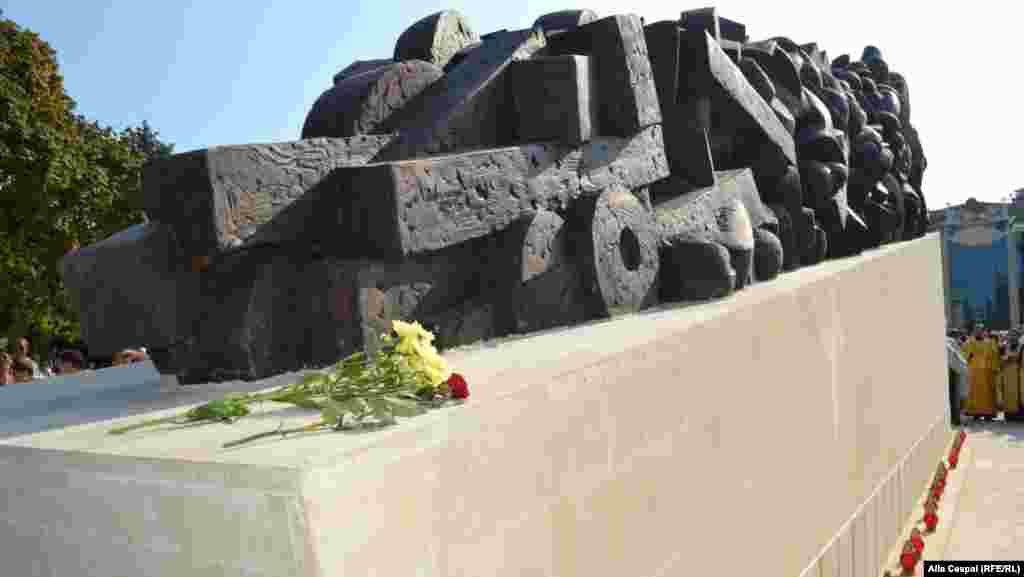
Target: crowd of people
(19, 366)
(993, 366)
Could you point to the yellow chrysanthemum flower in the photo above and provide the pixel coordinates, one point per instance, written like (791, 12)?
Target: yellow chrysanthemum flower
(416, 344)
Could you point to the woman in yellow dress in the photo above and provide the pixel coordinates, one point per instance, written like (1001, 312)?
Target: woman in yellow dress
(982, 359)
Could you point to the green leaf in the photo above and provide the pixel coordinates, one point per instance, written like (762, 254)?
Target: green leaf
(315, 380)
(356, 407)
(404, 407)
(381, 409)
(218, 410)
(306, 403)
(333, 412)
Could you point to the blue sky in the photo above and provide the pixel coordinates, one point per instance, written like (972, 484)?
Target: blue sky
(229, 72)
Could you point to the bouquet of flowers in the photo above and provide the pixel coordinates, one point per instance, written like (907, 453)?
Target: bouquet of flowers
(405, 377)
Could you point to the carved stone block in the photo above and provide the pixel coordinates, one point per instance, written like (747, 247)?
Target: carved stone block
(133, 289)
(554, 99)
(737, 107)
(435, 38)
(226, 196)
(554, 23)
(395, 209)
(624, 81)
(363, 103)
(466, 108)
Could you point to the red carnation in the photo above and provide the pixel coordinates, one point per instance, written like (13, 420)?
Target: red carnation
(457, 386)
(931, 520)
(918, 542)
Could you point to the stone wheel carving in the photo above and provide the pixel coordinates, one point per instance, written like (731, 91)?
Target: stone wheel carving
(617, 250)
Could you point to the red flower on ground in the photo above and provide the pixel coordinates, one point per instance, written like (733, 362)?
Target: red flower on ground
(457, 386)
(908, 560)
(931, 520)
(917, 541)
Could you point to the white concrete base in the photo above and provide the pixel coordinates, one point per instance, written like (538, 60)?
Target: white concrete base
(731, 438)
(169, 383)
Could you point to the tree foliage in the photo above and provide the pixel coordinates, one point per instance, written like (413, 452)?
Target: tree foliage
(65, 181)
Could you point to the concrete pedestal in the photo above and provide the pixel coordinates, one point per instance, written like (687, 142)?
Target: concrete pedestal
(784, 431)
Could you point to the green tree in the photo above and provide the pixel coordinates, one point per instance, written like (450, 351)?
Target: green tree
(146, 141)
(65, 181)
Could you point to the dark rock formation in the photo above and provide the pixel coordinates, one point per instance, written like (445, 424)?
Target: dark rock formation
(513, 182)
(435, 39)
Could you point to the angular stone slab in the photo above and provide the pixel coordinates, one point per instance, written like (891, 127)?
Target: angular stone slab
(769, 255)
(695, 271)
(710, 216)
(701, 19)
(624, 80)
(553, 99)
(131, 289)
(226, 196)
(780, 68)
(364, 103)
(460, 56)
(550, 292)
(662, 40)
(688, 150)
(465, 109)
(740, 184)
(435, 38)
(395, 209)
(708, 71)
(554, 23)
(268, 310)
(758, 78)
(361, 66)
(720, 28)
(734, 50)
(686, 138)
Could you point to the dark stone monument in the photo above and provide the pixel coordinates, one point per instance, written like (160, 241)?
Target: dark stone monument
(509, 183)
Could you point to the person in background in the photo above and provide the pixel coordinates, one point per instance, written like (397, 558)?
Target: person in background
(22, 353)
(6, 369)
(23, 370)
(129, 356)
(1013, 399)
(981, 362)
(70, 362)
(998, 347)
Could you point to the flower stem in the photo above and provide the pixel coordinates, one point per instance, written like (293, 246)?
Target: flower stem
(144, 424)
(282, 432)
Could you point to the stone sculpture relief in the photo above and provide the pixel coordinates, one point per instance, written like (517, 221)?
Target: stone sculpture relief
(507, 183)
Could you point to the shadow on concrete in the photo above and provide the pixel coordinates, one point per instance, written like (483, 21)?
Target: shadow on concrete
(1012, 431)
(106, 394)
